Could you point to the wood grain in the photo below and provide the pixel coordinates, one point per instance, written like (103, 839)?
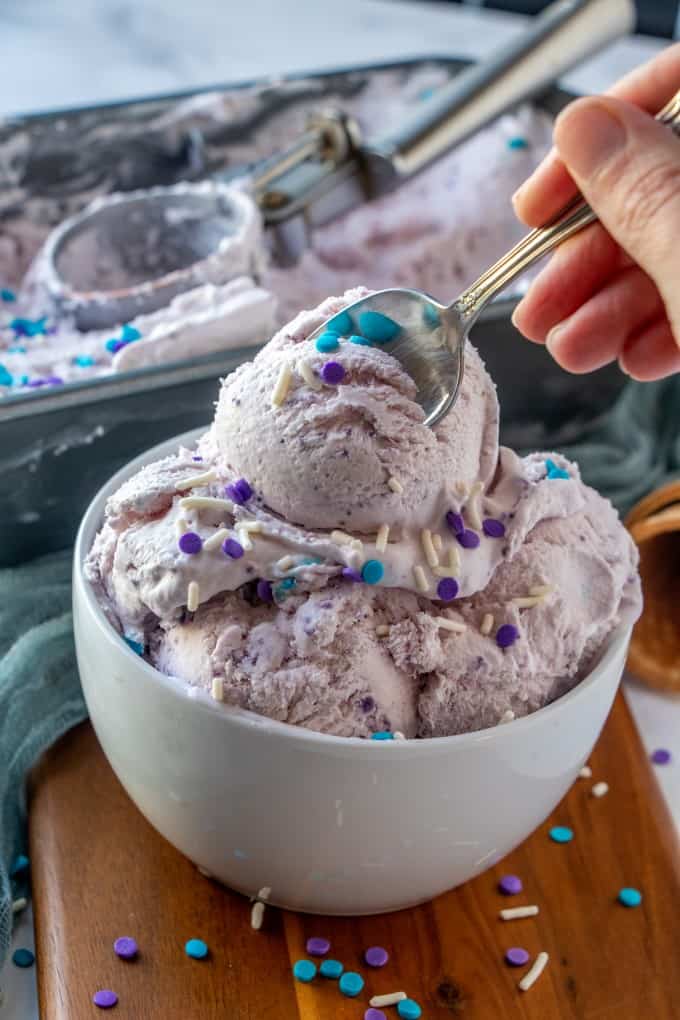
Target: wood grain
(100, 871)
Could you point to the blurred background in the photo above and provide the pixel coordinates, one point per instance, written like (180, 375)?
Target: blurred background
(655, 17)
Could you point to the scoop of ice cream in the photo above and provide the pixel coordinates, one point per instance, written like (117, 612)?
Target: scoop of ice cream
(333, 453)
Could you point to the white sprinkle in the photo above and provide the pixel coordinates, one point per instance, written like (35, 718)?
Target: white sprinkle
(264, 893)
(442, 571)
(193, 596)
(217, 688)
(341, 538)
(206, 503)
(250, 527)
(282, 385)
(357, 545)
(256, 915)
(437, 542)
(390, 999)
(472, 506)
(541, 589)
(513, 913)
(382, 630)
(244, 539)
(446, 624)
(309, 375)
(527, 601)
(486, 625)
(428, 548)
(382, 538)
(19, 904)
(191, 483)
(398, 735)
(586, 772)
(181, 526)
(461, 489)
(422, 584)
(600, 789)
(395, 485)
(507, 716)
(203, 871)
(454, 559)
(534, 972)
(285, 563)
(216, 539)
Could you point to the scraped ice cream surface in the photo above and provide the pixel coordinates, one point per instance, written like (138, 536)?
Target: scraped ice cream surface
(323, 558)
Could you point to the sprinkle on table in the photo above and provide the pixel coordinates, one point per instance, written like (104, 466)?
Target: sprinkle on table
(23, 958)
(332, 373)
(516, 956)
(510, 885)
(20, 864)
(126, 947)
(553, 471)
(561, 834)
(390, 999)
(586, 772)
(331, 969)
(374, 1014)
(600, 789)
(534, 972)
(318, 946)
(239, 491)
(327, 342)
(378, 327)
(408, 1009)
(341, 323)
(517, 913)
(304, 971)
(190, 543)
(372, 571)
(105, 998)
(197, 949)
(232, 548)
(629, 897)
(19, 904)
(351, 984)
(661, 756)
(506, 635)
(493, 528)
(376, 956)
(447, 589)
(257, 915)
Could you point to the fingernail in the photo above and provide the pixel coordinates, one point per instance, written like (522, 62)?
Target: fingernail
(516, 313)
(588, 134)
(553, 337)
(515, 197)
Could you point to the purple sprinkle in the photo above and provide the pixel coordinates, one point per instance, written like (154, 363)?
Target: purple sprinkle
(232, 548)
(661, 756)
(240, 491)
(493, 528)
(54, 380)
(105, 998)
(468, 539)
(455, 522)
(34, 383)
(197, 458)
(510, 885)
(376, 956)
(125, 947)
(351, 575)
(447, 589)
(506, 635)
(190, 543)
(264, 590)
(516, 956)
(317, 946)
(374, 1014)
(332, 372)
(367, 703)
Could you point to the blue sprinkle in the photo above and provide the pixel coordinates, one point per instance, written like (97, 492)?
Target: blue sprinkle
(408, 1009)
(382, 735)
(553, 471)
(378, 327)
(360, 340)
(331, 969)
(283, 587)
(431, 316)
(129, 333)
(351, 984)
(196, 949)
(23, 381)
(518, 143)
(327, 342)
(5, 377)
(341, 324)
(16, 350)
(561, 834)
(309, 561)
(113, 345)
(20, 865)
(23, 958)
(630, 897)
(28, 327)
(426, 93)
(7, 295)
(83, 360)
(304, 970)
(372, 571)
(136, 646)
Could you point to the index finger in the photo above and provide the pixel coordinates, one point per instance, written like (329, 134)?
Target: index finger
(550, 186)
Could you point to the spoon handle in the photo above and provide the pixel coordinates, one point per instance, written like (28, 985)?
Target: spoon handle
(572, 218)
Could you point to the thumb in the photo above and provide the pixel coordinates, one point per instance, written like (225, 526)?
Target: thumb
(627, 166)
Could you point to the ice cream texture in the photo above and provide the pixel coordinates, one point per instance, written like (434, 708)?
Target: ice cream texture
(323, 558)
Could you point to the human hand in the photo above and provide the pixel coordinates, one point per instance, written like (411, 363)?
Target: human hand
(611, 292)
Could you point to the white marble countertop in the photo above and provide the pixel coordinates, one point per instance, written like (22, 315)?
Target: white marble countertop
(60, 53)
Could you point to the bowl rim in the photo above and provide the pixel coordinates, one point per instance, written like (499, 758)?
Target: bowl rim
(201, 698)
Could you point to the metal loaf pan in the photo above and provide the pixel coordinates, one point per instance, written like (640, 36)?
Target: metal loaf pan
(60, 445)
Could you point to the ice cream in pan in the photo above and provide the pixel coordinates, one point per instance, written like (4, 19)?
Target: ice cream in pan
(323, 558)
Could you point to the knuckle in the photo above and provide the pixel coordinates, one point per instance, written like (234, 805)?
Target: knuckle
(649, 193)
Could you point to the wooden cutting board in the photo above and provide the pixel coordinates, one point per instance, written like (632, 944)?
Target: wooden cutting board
(100, 871)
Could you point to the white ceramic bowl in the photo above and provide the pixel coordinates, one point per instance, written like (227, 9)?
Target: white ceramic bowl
(333, 825)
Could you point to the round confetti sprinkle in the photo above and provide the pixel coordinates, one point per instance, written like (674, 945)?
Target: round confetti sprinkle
(351, 575)
(468, 539)
(327, 342)
(360, 341)
(304, 970)
(510, 885)
(378, 327)
(130, 333)
(455, 522)
(374, 1014)
(264, 590)
(23, 958)
(190, 543)
(21, 863)
(317, 946)
(341, 324)
(239, 491)
(447, 589)
(630, 897)
(376, 956)
(372, 571)
(493, 528)
(331, 969)
(105, 998)
(661, 756)
(518, 143)
(332, 373)
(83, 360)
(408, 1009)
(196, 949)
(125, 947)
(232, 548)
(506, 635)
(561, 834)
(351, 984)
(382, 735)
(516, 956)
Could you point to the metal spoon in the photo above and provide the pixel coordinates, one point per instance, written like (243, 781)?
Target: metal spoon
(430, 343)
